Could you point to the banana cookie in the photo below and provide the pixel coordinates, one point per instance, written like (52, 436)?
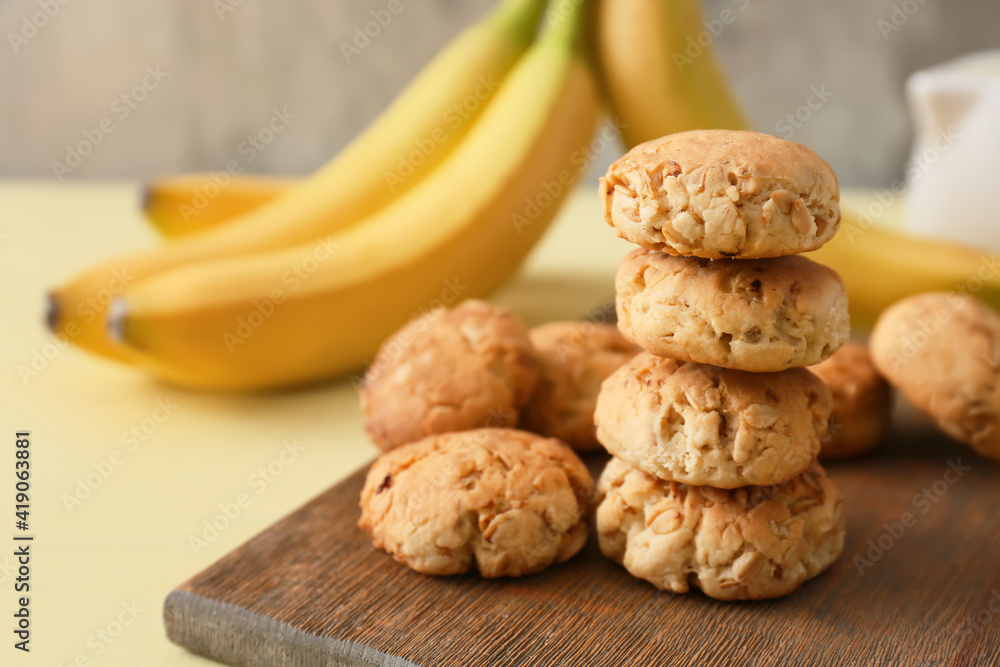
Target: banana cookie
(575, 358)
(750, 543)
(705, 425)
(759, 315)
(722, 193)
(503, 502)
(942, 351)
(862, 402)
(451, 370)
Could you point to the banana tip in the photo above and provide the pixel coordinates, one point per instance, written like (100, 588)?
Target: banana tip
(52, 311)
(117, 313)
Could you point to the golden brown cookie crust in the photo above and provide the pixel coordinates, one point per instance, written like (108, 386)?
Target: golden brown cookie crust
(755, 315)
(942, 351)
(749, 543)
(862, 402)
(469, 367)
(575, 358)
(722, 193)
(705, 425)
(501, 501)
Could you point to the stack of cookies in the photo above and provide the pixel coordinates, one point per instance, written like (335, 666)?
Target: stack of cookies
(715, 428)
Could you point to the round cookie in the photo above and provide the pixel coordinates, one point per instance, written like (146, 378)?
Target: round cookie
(862, 402)
(450, 370)
(759, 315)
(942, 350)
(501, 501)
(722, 193)
(705, 425)
(575, 358)
(750, 543)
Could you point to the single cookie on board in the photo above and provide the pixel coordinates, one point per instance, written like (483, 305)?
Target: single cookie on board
(722, 193)
(575, 358)
(450, 370)
(754, 315)
(749, 543)
(862, 402)
(501, 501)
(942, 350)
(705, 425)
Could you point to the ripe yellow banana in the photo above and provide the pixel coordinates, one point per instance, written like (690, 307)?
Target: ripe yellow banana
(658, 68)
(392, 156)
(183, 205)
(321, 309)
(881, 266)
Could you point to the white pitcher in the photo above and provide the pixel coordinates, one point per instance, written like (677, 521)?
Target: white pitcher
(953, 175)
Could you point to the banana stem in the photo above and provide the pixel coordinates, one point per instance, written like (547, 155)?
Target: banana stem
(565, 23)
(519, 18)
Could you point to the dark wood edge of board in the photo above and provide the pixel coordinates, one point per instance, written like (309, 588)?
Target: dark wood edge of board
(253, 640)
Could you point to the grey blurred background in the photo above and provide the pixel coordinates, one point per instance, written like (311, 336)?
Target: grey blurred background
(212, 73)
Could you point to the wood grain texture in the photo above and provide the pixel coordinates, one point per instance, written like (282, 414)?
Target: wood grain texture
(312, 591)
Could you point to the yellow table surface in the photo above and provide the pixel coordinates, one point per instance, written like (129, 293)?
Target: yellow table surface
(102, 566)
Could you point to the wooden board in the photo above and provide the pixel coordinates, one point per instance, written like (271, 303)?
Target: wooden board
(311, 591)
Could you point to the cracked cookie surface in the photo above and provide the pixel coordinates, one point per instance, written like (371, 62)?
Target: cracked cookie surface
(575, 358)
(705, 425)
(754, 315)
(942, 351)
(501, 501)
(862, 402)
(469, 367)
(749, 543)
(722, 193)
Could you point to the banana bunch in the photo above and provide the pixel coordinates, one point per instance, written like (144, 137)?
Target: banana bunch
(880, 266)
(276, 282)
(305, 284)
(350, 188)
